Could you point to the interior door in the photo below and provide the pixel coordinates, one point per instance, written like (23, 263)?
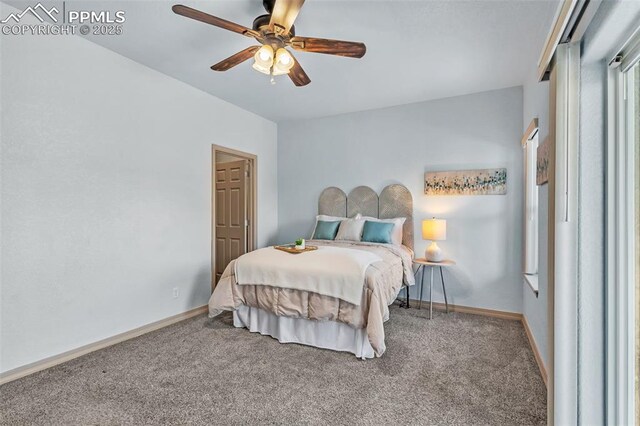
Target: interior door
(231, 213)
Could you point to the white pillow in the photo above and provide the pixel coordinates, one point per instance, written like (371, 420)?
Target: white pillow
(396, 233)
(350, 230)
(327, 218)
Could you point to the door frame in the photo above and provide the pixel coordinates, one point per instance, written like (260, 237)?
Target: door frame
(252, 201)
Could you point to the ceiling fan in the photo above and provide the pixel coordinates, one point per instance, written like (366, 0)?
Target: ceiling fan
(275, 32)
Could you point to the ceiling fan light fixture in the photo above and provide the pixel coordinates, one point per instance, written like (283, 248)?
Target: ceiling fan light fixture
(275, 32)
(283, 63)
(284, 60)
(265, 53)
(279, 71)
(260, 68)
(263, 59)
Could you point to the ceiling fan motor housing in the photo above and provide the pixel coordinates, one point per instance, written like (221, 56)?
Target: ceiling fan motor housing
(262, 23)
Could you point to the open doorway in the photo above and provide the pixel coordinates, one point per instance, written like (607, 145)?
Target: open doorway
(233, 207)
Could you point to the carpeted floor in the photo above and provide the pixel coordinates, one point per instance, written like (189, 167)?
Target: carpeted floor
(454, 369)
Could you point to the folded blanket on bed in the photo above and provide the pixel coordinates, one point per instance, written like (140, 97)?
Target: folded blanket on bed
(331, 271)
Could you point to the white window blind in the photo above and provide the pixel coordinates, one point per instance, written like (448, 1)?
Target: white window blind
(530, 148)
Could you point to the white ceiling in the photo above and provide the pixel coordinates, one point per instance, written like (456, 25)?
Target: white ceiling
(416, 50)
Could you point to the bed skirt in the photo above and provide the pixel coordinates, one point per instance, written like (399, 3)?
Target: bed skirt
(331, 335)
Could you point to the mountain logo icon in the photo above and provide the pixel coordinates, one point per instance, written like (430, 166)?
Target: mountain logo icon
(43, 11)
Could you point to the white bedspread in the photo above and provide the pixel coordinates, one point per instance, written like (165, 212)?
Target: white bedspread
(331, 271)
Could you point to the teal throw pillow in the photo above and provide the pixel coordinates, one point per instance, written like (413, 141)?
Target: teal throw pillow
(377, 232)
(326, 230)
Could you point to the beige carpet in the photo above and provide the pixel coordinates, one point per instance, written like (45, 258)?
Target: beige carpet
(454, 369)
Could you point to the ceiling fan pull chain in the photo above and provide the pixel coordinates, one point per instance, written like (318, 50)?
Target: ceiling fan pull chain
(272, 80)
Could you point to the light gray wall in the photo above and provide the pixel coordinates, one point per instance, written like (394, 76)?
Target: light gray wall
(397, 145)
(106, 194)
(536, 104)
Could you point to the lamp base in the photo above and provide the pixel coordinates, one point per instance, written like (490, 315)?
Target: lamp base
(434, 253)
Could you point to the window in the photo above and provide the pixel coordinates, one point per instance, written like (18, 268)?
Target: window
(636, 144)
(623, 203)
(530, 148)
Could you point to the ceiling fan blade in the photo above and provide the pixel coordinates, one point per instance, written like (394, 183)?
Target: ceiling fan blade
(284, 13)
(297, 74)
(350, 49)
(236, 59)
(213, 20)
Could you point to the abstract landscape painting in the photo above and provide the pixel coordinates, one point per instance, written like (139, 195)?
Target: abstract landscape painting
(466, 182)
(542, 163)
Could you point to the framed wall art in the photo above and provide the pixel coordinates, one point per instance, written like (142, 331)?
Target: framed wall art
(466, 182)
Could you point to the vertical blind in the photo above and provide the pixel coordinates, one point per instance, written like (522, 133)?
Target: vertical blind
(530, 147)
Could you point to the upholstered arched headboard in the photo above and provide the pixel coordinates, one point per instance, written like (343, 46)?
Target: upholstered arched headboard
(394, 201)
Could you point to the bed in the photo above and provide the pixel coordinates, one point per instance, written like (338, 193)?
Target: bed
(336, 297)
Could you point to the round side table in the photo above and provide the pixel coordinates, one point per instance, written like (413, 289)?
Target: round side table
(422, 263)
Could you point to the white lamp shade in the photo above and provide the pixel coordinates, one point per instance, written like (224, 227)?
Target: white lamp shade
(434, 229)
(260, 68)
(263, 59)
(283, 63)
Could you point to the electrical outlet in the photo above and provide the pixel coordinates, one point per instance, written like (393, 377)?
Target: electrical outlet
(176, 292)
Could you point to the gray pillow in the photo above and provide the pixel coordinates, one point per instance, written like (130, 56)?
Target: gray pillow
(350, 230)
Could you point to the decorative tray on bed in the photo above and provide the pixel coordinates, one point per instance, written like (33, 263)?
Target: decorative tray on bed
(290, 248)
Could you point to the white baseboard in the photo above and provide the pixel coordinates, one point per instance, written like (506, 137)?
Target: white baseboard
(49, 362)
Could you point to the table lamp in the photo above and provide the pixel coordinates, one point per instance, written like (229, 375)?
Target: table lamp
(434, 230)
